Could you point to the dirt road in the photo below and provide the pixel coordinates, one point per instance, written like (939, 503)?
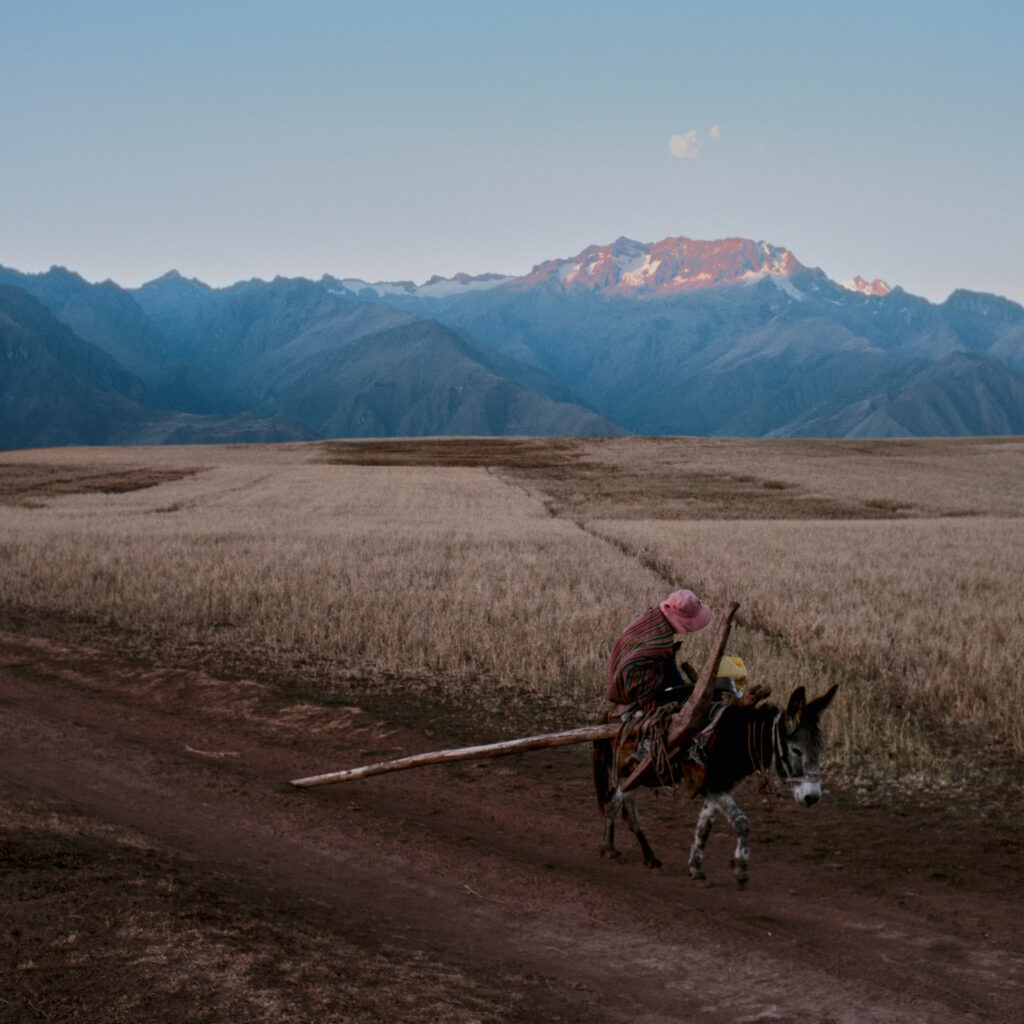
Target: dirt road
(156, 867)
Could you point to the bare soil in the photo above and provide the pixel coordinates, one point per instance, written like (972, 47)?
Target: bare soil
(156, 866)
(33, 484)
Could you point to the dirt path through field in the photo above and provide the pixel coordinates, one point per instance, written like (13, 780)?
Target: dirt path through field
(476, 889)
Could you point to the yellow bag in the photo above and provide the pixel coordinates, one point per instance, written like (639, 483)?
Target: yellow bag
(732, 667)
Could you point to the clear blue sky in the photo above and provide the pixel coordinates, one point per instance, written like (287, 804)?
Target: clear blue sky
(395, 140)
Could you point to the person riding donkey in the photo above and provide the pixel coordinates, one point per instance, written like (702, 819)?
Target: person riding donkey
(642, 668)
(642, 665)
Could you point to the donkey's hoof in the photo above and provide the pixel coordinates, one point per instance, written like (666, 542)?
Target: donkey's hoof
(610, 853)
(656, 869)
(700, 879)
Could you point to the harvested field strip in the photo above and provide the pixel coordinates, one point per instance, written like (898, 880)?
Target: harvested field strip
(666, 477)
(523, 453)
(590, 491)
(32, 484)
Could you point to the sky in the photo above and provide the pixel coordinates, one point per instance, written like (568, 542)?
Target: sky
(391, 140)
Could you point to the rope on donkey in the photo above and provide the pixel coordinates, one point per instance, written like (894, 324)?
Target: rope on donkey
(650, 732)
(650, 729)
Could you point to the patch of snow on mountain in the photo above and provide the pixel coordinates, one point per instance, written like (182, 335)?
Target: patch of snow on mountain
(353, 284)
(777, 278)
(444, 287)
(785, 285)
(435, 288)
(643, 273)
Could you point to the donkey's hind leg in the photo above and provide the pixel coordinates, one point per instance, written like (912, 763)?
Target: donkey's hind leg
(633, 820)
(705, 820)
(611, 812)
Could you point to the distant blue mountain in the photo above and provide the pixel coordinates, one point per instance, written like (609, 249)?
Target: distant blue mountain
(284, 360)
(727, 338)
(737, 338)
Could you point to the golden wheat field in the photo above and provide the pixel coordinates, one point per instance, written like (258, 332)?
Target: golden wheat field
(476, 586)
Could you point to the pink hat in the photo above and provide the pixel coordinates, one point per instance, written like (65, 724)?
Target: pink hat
(684, 611)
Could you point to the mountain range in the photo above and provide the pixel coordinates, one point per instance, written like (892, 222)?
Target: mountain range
(720, 338)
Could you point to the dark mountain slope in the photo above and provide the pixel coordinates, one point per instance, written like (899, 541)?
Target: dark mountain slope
(227, 329)
(413, 380)
(179, 307)
(961, 395)
(987, 325)
(102, 314)
(57, 389)
(109, 318)
(292, 348)
(706, 362)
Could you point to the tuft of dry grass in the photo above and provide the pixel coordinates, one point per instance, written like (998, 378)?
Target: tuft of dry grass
(477, 585)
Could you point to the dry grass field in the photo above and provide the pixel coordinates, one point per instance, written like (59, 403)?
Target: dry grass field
(475, 586)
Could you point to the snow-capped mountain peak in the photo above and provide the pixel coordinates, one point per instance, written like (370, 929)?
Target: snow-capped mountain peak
(673, 265)
(876, 288)
(647, 270)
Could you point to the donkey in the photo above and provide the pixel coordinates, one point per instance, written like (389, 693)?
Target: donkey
(743, 740)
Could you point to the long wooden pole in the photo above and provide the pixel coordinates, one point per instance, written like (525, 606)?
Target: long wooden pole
(693, 711)
(551, 739)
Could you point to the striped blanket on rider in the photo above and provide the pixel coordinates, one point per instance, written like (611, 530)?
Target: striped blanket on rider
(642, 661)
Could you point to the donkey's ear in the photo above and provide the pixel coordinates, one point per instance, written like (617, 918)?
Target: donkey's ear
(815, 708)
(797, 703)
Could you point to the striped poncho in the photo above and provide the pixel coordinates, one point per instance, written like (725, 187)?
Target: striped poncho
(642, 661)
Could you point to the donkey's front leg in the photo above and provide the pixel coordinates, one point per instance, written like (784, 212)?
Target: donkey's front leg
(738, 820)
(705, 820)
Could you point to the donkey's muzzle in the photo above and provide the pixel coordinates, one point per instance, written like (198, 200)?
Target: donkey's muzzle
(807, 793)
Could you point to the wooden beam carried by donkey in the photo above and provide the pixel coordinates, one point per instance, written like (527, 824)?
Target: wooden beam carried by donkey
(549, 739)
(689, 719)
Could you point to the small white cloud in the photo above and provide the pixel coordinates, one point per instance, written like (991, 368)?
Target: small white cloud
(687, 146)
(716, 132)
